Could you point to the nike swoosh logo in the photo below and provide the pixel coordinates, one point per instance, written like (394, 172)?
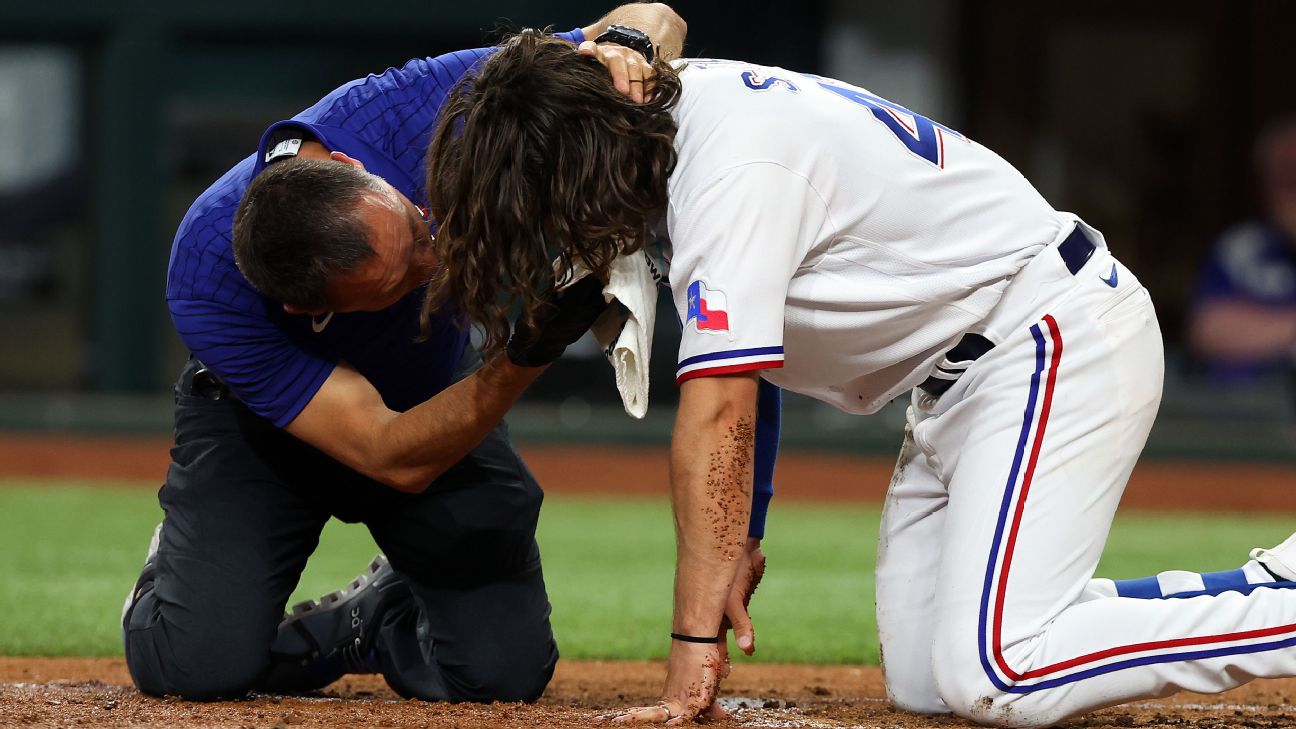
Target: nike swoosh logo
(318, 326)
(1110, 279)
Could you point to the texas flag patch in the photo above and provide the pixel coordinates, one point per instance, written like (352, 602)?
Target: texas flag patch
(708, 309)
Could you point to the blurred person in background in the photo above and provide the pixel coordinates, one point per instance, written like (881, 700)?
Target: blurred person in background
(1244, 320)
(297, 281)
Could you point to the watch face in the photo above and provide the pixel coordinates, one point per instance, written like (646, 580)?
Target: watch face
(632, 38)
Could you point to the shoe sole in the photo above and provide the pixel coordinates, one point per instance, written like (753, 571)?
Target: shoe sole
(133, 595)
(331, 600)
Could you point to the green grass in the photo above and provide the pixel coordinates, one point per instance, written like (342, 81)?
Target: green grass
(68, 554)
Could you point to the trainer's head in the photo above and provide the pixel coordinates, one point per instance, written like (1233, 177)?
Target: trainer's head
(322, 235)
(537, 156)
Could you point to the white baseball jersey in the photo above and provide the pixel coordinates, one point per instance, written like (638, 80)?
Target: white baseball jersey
(832, 238)
(820, 229)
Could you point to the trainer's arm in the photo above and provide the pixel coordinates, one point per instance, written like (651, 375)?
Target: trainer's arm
(348, 420)
(666, 28)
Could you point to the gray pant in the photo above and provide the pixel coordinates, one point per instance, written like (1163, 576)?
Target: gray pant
(245, 504)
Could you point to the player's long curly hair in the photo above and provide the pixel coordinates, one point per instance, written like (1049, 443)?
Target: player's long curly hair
(537, 156)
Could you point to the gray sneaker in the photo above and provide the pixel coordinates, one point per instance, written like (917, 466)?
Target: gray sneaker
(319, 641)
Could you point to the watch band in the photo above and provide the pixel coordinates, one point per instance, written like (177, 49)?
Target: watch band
(632, 38)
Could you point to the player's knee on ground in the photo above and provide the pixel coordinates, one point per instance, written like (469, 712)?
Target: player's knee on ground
(967, 689)
(919, 699)
(906, 660)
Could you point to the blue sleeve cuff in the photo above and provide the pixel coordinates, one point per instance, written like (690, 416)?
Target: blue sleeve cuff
(760, 507)
(576, 36)
(769, 416)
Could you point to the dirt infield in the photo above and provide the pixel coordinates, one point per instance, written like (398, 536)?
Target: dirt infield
(1156, 485)
(96, 692)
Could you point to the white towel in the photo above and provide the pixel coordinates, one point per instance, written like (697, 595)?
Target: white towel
(625, 330)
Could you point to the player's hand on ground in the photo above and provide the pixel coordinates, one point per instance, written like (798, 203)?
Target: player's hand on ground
(692, 683)
(631, 72)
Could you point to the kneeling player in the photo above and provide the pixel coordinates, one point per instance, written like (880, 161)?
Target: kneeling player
(841, 246)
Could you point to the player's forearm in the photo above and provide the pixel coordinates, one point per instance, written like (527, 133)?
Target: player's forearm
(711, 477)
(666, 29)
(414, 447)
(1242, 331)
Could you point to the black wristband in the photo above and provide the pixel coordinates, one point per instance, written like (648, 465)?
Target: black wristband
(695, 638)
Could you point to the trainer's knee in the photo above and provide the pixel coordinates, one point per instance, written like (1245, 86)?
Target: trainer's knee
(520, 676)
(206, 670)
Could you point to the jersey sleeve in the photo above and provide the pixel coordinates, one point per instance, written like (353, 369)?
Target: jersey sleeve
(268, 372)
(735, 245)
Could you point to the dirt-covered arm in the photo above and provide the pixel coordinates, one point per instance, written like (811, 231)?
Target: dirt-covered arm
(711, 482)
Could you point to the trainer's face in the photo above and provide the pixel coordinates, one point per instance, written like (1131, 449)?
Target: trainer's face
(402, 244)
(403, 259)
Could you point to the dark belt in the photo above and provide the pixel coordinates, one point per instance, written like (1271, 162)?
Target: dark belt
(1075, 252)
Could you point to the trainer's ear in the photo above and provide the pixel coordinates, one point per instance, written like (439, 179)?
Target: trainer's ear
(344, 159)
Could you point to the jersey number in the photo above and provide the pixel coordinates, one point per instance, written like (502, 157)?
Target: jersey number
(924, 137)
(758, 83)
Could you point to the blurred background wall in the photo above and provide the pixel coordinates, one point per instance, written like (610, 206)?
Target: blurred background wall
(1140, 117)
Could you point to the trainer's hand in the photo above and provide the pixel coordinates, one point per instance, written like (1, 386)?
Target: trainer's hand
(692, 681)
(631, 72)
(573, 309)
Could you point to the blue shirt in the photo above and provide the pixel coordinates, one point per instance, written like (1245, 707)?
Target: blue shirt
(1252, 262)
(1255, 263)
(273, 361)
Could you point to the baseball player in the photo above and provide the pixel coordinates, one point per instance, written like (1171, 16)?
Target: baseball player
(311, 395)
(839, 245)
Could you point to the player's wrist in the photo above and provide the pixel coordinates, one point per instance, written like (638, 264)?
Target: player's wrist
(688, 638)
(699, 627)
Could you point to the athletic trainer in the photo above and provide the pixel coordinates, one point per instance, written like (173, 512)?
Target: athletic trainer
(311, 395)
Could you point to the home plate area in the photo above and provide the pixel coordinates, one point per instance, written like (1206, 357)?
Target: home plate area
(97, 692)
